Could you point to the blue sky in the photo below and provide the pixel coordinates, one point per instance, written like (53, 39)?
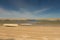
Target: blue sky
(29, 8)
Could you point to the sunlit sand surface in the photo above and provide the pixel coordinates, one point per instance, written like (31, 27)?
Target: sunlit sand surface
(31, 32)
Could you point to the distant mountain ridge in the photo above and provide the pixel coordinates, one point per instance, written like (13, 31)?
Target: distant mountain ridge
(29, 19)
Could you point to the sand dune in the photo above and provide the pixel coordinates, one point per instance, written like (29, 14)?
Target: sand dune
(30, 32)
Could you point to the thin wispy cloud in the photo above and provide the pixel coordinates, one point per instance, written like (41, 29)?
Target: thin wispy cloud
(22, 13)
(42, 10)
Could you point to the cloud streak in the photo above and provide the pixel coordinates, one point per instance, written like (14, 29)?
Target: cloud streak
(42, 10)
(22, 13)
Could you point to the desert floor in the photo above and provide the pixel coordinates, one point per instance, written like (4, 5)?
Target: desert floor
(43, 32)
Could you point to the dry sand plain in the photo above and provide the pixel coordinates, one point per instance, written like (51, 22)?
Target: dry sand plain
(30, 32)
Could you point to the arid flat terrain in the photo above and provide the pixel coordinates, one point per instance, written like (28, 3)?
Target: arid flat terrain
(30, 32)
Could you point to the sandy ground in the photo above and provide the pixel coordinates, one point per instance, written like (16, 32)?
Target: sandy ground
(30, 32)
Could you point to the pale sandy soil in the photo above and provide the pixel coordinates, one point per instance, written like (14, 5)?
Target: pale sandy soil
(30, 32)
